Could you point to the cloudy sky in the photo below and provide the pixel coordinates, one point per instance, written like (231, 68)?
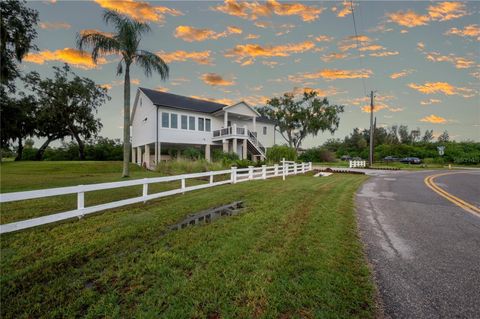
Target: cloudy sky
(422, 58)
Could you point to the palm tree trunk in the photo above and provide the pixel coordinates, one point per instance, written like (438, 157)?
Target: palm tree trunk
(126, 121)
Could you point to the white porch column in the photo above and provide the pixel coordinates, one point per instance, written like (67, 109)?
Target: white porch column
(255, 124)
(139, 155)
(234, 146)
(244, 149)
(225, 146)
(134, 150)
(158, 153)
(207, 153)
(225, 119)
(147, 155)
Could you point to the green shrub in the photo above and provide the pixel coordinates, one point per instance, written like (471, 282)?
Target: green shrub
(219, 155)
(317, 154)
(192, 153)
(185, 166)
(244, 163)
(276, 153)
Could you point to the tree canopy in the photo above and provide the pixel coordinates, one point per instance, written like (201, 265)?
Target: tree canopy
(67, 106)
(296, 118)
(17, 32)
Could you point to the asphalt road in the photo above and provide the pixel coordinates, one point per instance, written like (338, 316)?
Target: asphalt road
(424, 249)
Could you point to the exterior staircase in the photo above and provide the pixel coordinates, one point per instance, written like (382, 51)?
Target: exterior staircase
(253, 145)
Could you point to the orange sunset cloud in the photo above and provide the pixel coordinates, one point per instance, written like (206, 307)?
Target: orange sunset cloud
(200, 57)
(441, 87)
(253, 10)
(191, 34)
(430, 101)
(77, 58)
(214, 79)
(54, 25)
(139, 10)
(246, 53)
(472, 30)
(459, 62)
(401, 74)
(440, 11)
(434, 119)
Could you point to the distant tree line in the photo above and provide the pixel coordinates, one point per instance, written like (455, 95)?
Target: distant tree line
(95, 149)
(397, 141)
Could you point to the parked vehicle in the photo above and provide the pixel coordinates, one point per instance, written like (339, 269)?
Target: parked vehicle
(391, 159)
(346, 158)
(411, 160)
(356, 158)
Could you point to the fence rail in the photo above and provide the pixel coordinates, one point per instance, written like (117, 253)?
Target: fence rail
(236, 176)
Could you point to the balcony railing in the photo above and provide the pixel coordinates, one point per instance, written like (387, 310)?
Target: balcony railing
(233, 131)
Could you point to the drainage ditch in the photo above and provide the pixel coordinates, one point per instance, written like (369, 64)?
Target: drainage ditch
(206, 216)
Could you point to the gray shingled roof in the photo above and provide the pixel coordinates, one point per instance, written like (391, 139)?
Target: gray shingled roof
(187, 103)
(181, 102)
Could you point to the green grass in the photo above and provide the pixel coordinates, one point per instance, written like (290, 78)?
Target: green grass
(21, 176)
(293, 253)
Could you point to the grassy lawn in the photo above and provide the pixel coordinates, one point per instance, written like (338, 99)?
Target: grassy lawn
(293, 253)
(21, 176)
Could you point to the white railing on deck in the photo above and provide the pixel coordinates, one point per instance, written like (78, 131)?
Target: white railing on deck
(232, 131)
(236, 176)
(360, 164)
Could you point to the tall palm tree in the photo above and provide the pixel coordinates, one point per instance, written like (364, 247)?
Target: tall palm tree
(125, 42)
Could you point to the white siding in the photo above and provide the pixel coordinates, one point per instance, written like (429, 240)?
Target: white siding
(143, 124)
(187, 136)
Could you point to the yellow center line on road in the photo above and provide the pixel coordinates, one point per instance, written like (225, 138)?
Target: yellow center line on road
(429, 181)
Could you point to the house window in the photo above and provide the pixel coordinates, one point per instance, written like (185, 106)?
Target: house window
(184, 122)
(201, 124)
(264, 130)
(173, 120)
(191, 123)
(165, 119)
(140, 101)
(208, 125)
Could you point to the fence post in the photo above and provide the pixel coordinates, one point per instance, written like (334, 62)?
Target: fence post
(309, 166)
(233, 176)
(283, 170)
(275, 169)
(250, 172)
(303, 168)
(264, 171)
(80, 199)
(145, 188)
(294, 168)
(183, 185)
(211, 177)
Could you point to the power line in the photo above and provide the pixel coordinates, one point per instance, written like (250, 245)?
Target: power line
(358, 46)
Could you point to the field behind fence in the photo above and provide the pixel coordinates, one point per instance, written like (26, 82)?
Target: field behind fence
(230, 176)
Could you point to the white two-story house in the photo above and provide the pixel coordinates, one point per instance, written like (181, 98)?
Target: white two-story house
(162, 122)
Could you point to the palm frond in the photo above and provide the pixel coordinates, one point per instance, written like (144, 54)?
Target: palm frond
(99, 42)
(120, 67)
(150, 63)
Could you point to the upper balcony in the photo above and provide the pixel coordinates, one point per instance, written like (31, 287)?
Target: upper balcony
(240, 133)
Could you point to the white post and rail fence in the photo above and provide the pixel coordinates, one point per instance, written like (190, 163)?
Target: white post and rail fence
(237, 175)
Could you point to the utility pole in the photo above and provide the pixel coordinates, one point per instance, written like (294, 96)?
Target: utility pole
(370, 158)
